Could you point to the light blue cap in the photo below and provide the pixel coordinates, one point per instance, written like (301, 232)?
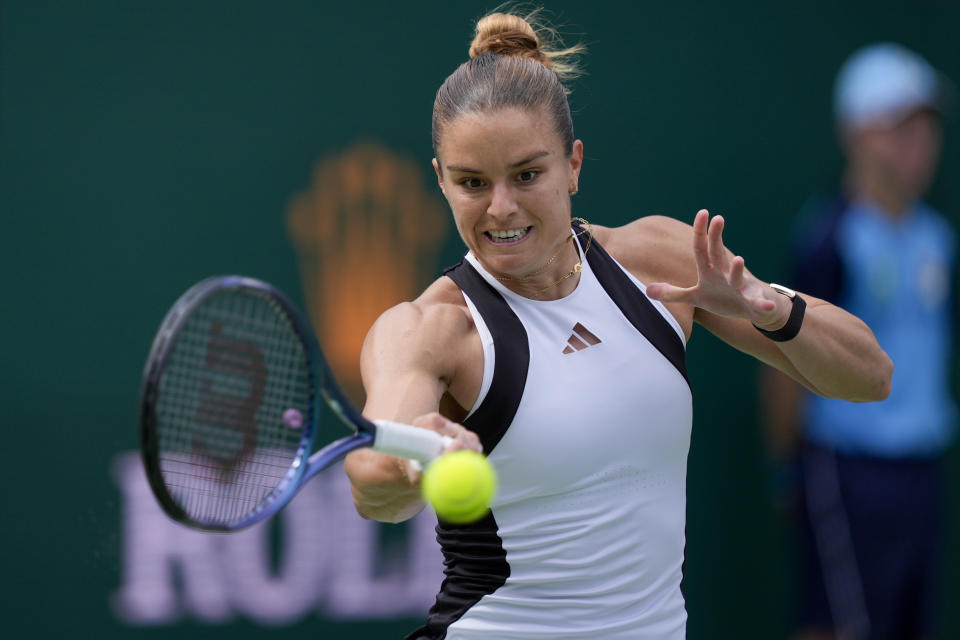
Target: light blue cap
(882, 83)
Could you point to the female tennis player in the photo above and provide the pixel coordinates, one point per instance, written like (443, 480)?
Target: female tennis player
(558, 346)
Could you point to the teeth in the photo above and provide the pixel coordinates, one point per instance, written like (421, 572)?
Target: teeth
(507, 235)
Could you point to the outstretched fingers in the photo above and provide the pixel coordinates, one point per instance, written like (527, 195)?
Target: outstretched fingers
(715, 248)
(700, 243)
(736, 272)
(756, 300)
(665, 292)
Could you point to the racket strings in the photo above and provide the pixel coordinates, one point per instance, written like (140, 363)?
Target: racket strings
(236, 367)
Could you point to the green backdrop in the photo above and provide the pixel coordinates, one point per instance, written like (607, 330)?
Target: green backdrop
(144, 146)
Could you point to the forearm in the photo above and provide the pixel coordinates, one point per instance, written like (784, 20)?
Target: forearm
(384, 488)
(406, 363)
(837, 354)
(834, 354)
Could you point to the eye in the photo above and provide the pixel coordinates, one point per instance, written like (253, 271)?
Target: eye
(527, 176)
(472, 183)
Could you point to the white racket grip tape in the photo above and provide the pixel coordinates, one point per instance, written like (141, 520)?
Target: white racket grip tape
(404, 441)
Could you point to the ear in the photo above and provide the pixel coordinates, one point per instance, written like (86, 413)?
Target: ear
(439, 172)
(576, 163)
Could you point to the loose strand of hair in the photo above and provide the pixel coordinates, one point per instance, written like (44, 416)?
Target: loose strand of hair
(565, 61)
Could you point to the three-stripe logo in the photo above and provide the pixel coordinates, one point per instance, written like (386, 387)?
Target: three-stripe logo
(580, 339)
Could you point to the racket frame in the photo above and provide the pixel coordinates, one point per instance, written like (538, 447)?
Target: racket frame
(420, 445)
(160, 352)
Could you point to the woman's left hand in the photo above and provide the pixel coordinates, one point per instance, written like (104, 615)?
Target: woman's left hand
(724, 285)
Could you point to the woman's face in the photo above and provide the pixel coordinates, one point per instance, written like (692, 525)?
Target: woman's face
(508, 181)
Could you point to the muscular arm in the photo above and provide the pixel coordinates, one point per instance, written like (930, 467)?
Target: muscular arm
(834, 355)
(407, 362)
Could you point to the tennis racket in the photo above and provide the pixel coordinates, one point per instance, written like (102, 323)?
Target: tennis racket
(230, 407)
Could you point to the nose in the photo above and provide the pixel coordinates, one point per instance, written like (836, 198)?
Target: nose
(502, 203)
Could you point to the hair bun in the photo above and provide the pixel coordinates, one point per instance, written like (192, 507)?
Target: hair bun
(508, 35)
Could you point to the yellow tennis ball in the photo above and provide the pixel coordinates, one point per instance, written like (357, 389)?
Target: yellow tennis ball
(460, 485)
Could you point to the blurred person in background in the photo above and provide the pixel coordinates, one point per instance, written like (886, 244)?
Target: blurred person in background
(869, 499)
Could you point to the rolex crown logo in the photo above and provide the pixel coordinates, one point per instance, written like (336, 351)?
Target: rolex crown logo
(367, 236)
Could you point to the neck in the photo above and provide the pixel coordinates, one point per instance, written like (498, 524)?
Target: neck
(556, 278)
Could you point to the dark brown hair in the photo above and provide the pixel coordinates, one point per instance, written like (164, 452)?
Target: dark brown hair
(512, 64)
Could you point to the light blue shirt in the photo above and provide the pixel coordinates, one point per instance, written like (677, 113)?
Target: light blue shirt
(897, 278)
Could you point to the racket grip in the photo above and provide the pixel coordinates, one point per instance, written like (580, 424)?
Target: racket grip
(405, 441)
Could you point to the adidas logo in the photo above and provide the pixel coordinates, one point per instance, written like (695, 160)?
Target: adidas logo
(581, 339)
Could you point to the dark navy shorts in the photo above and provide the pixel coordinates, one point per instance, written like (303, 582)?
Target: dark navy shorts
(870, 544)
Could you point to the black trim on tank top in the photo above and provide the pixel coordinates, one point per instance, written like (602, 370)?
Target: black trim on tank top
(474, 560)
(635, 305)
(511, 356)
(474, 565)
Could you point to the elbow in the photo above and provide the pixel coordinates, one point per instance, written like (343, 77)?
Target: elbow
(880, 381)
(886, 379)
(874, 386)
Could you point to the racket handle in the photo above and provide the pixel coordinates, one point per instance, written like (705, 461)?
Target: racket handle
(404, 441)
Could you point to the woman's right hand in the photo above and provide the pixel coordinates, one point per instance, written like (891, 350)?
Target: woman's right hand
(462, 437)
(386, 488)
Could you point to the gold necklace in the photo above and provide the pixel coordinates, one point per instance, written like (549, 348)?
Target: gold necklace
(577, 268)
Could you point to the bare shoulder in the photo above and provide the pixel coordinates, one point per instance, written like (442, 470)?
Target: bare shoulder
(429, 322)
(430, 334)
(654, 249)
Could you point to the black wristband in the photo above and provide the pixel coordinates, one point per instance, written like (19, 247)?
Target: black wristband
(790, 330)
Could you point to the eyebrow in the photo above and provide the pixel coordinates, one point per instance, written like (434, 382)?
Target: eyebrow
(528, 159)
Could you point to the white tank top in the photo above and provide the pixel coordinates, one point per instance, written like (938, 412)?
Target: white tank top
(592, 477)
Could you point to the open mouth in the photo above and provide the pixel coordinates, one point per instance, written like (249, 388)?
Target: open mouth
(507, 236)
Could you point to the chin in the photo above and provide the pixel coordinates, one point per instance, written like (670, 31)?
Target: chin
(504, 265)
